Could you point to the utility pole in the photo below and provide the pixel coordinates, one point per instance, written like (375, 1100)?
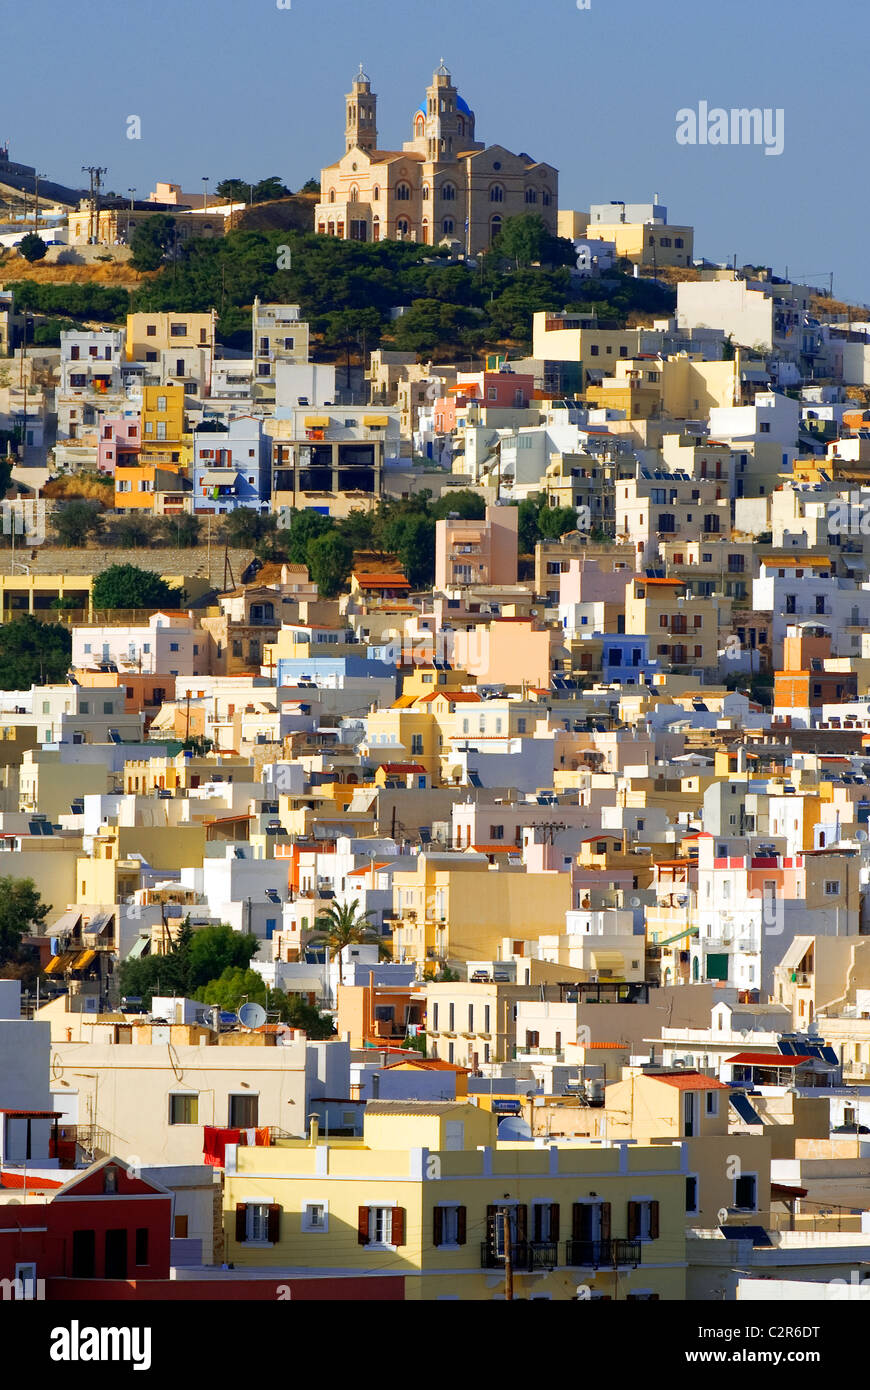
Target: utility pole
(95, 173)
(505, 1218)
(36, 203)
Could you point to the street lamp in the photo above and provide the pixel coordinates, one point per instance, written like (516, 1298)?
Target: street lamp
(204, 192)
(131, 191)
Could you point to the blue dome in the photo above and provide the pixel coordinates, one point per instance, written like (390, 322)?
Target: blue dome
(461, 106)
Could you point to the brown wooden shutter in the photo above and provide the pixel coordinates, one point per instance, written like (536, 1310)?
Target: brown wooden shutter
(537, 1221)
(274, 1227)
(438, 1226)
(522, 1223)
(633, 1220)
(460, 1225)
(554, 1221)
(577, 1220)
(241, 1220)
(397, 1232)
(654, 1220)
(362, 1227)
(605, 1221)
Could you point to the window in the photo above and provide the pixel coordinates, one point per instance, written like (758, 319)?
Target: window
(315, 1217)
(691, 1193)
(745, 1192)
(496, 832)
(184, 1109)
(643, 1220)
(243, 1112)
(832, 888)
(712, 1103)
(496, 193)
(448, 224)
(258, 1222)
(448, 1225)
(381, 1226)
(416, 744)
(177, 330)
(161, 403)
(403, 193)
(448, 192)
(545, 1222)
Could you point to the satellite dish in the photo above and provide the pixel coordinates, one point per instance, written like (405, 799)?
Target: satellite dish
(635, 902)
(722, 1215)
(861, 835)
(514, 1127)
(252, 1015)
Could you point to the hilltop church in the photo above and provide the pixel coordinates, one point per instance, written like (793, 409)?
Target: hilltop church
(442, 183)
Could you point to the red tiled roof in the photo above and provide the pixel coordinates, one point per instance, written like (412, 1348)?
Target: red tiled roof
(402, 767)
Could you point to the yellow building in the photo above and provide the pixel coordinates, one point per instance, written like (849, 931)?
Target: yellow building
(452, 907)
(724, 1171)
(150, 334)
(683, 631)
(163, 424)
(647, 243)
(431, 1193)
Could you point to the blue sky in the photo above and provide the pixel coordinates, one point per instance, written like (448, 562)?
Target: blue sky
(243, 88)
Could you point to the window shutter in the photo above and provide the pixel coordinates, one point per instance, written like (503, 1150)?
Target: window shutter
(522, 1224)
(577, 1220)
(654, 1220)
(438, 1226)
(633, 1220)
(397, 1233)
(241, 1217)
(537, 1221)
(460, 1225)
(274, 1226)
(491, 1218)
(554, 1221)
(363, 1225)
(605, 1221)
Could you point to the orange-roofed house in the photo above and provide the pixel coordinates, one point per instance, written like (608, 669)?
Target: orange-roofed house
(724, 1170)
(683, 630)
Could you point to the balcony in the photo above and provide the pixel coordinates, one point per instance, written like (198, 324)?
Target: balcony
(526, 1255)
(603, 1254)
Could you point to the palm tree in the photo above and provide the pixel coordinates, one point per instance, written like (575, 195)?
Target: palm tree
(344, 925)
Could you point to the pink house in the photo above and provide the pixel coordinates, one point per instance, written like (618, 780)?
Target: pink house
(477, 552)
(589, 582)
(496, 390)
(119, 443)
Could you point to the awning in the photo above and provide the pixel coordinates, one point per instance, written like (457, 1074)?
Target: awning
(376, 422)
(58, 964)
(67, 922)
(218, 477)
(139, 947)
(32, 1114)
(100, 923)
(317, 422)
(83, 960)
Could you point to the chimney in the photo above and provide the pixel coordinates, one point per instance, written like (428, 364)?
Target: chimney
(314, 1132)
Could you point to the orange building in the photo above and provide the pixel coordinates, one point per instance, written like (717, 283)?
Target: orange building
(803, 683)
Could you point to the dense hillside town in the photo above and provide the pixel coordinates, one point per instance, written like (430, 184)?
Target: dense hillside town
(434, 741)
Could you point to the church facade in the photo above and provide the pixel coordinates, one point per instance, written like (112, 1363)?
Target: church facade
(442, 183)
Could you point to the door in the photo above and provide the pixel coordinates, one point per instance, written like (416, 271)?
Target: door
(84, 1247)
(116, 1254)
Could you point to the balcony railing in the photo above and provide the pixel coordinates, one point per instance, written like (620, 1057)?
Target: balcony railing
(602, 1254)
(526, 1255)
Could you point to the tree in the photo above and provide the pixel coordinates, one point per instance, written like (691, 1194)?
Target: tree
(329, 559)
(127, 586)
(306, 526)
(310, 186)
(243, 527)
(347, 329)
(468, 505)
(151, 240)
(32, 247)
(215, 949)
(33, 653)
(233, 190)
(133, 532)
(181, 531)
(77, 522)
(21, 908)
(411, 536)
(342, 924)
(268, 189)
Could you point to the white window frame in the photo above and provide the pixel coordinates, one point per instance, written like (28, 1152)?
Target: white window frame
(309, 1226)
(385, 1206)
(262, 1205)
